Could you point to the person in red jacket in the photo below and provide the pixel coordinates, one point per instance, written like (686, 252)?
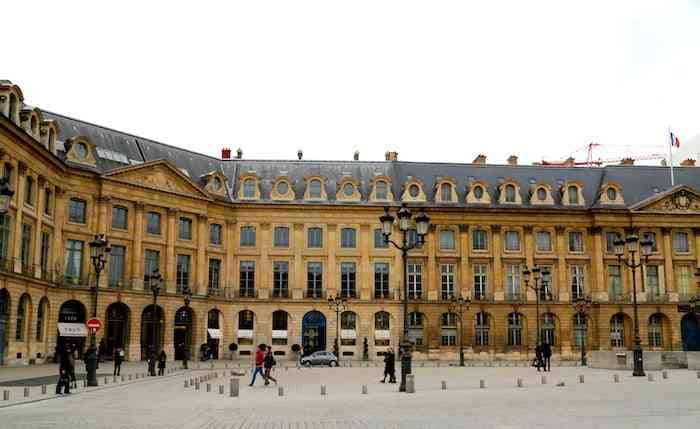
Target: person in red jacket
(259, 362)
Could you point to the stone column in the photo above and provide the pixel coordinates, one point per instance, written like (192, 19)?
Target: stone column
(669, 277)
(599, 290)
(365, 275)
(202, 267)
(297, 241)
(332, 273)
(496, 250)
(168, 328)
(170, 263)
(103, 204)
(40, 206)
(464, 271)
(59, 214)
(430, 283)
(230, 243)
(263, 276)
(19, 203)
(561, 249)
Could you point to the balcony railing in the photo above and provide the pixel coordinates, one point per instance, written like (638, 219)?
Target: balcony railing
(7, 265)
(121, 284)
(620, 298)
(348, 294)
(247, 293)
(657, 297)
(482, 296)
(415, 295)
(515, 297)
(315, 294)
(385, 294)
(684, 297)
(280, 293)
(65, 280)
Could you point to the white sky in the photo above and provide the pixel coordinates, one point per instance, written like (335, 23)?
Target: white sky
(434, 80)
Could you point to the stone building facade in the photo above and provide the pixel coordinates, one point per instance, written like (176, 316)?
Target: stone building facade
(262, 244)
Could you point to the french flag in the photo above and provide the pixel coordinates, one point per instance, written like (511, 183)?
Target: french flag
(674, 140)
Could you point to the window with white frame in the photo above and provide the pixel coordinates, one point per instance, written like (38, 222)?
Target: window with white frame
(380, 190)
(614, 282)
(652, 280)
(546, 286)
(510, 193)
(544, 241)
(513, 281)
(617, 331)
(479, 239)
(480, 281)
(446, 192)
(482, 329)
(247, 279)
(680, 242)
(247, 236)
(315, 189)
(610, 238)
(314, 238)
(447, 239)
(651, 236)
(512, 241)
(314, 279)
(280, 279)
(654, 328)
(348, 238)
(683, 281)
(415, 281)
(580, 330)
(573, 195)
(515, 329)
(577, 281)
(381, 280)
(449, 329)
(415, 328)
(249, 188)
(348, 273)
(547, 329)
(281, 238)
(575, 241)
(447, 280)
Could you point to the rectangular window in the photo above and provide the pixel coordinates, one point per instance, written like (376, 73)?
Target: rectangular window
(652, 280)
(7, 173)
(247, 236)
(281, 236)
(381, 280)
(512, 241)
(348, 272)
(314, 279)
(482, 330)
(119, 218)
(116, 265)
(215, 234)
(447, 281)
(577, 281)
(515, 330)
(29, 191)
(48, 201)
(280, 279)
(185, 230)
(651, 236)
(348, 238)
(214, 275)
(411, 237)
(683, 282)
(546, 286)
(76, 210)
(379, 242)
(26, 249)
(614, 282)
(610, 238)
(512, 282)
(681, 243)
(153, 223)
(151, 262)
(479, 241)
(4, 238)
(74, 260)
(315, 238)
(447, 239)
(576, 241)
(544, 241)
(182, 277)
(247, 279)
(45, 248)
(480, 281)
(415, 281)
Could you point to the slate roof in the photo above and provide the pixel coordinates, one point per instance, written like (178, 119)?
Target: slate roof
(637, 182)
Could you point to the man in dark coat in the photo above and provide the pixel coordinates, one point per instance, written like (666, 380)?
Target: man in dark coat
(539, 359)
(547, 355)
(389, 366)
(64, 371)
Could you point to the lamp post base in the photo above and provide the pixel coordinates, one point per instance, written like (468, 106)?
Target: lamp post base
(406, 348)
(91, 366)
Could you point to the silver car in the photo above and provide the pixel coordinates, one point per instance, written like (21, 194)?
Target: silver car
(320, 358)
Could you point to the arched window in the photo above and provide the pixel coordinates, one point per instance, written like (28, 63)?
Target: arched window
(515, 329)
(21, 318)
(655, 331)
(380, 190)
(611, 193)
(348, 320)
(40, 319)
(245, 320)
(315, 189)
(445, 192)
(548, 325)
(280, 320)
(249, 188)
(449, 329)
(381, 321)
(482, 329)
(617, 331)
(510, 193)
(580, 330)
(573, 194)
(415, 327)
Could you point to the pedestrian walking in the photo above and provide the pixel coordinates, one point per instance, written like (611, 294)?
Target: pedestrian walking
(162, 358)
(538, 362)
(269, 363)
(64, 381)
(547, 355)
(71, 366)
(101, 350)
(259, 363)
(389, 366)
(118, 359)
(185, 355)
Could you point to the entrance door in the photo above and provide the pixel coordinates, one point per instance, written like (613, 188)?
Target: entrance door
(213, 342)
(151, 330)
(116, 330)
(71, 312)
(313, 332)
(182, 337)
(690, 333)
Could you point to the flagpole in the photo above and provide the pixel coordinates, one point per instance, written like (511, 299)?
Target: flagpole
(670, 154)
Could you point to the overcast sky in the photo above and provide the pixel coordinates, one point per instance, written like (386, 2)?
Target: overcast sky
(434, 80)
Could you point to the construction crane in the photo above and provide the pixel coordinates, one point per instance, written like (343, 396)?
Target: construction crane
(592, 162)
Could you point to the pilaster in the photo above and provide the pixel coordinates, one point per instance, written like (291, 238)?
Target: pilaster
(669, 277)
(201, 270)
(170, 250)
(19, 203)
(137, 254)
(430, 283)
(41, 189)
(497, 251)
(464, 275)
(562, 249)
(365, 274)
(59, 214)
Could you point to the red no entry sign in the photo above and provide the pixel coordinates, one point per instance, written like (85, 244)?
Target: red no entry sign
(94, 324)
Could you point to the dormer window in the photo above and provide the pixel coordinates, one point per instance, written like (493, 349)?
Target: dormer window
(541, 194)
(348, 189)
(478, 192)
(34, 124)
(81, 150)
(249, 188)
(573, 194)
(510, 193)
(611, 193)
(380, 190)
(216, 184)
(414, 191)
(315, 189)
(282, 188)
(446, 192)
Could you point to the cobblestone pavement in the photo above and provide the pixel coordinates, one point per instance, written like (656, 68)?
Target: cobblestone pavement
(166, 403)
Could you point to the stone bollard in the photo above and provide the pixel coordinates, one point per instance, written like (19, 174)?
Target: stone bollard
(364, 389)
(444, 385)
(196, 385)
(650, 377)
(5, 395)
(43, 389)
(26, 391)
(212, 366)
(519, 382)
(410, 384)
(280, 391)
(544, 379)
(105, 380)
(664, 375)
(482, 384)
(123, 378)
(581, 379)
(616, 378)
(233, 388)
(221, 389)
(323, 389)
(561, 384)
(208, 387)
(216, 375)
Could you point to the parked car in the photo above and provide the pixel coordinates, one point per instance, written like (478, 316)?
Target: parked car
(320, 358)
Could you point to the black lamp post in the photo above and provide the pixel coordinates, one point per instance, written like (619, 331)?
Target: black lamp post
(154, 281)
(632, 242)
(541, 277)
(99, 249)
(187, 296)
(458, 305)
(6, 194)
(338, 304)
(581, 306)
(422, 223)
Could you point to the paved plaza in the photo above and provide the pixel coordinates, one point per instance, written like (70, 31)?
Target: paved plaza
(165, 402)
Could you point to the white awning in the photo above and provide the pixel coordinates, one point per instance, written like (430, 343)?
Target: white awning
(279, 334)
(72, 330)
(245, 333)
(215, 333)
(348, 334)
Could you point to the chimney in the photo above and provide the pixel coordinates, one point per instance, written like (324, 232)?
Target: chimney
(689, 162)
(239, 153)
(356, 155)
(392, 156)
(300, 154)
(512, 160)
(627, 161)
(226, 153)
(569, 162)
(480, 159)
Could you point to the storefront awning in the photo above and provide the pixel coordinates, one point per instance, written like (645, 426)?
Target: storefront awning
(215, 333)
(72, 330)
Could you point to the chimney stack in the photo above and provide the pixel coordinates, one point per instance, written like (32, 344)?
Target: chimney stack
(239, 153)
(689, 162)
(300, 154)
(392, 156)
(569, 162)
(513, 160)
(356, 155)
(627, 161)
(226, 153)
(480, 159)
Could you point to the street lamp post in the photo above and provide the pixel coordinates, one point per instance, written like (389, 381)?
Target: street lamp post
(154, 281)
(338, 304)
(422, 223)
(458, 305)
(541, 277)
(187, 296)
(99, 249)
(632, 242)
(581, 306)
